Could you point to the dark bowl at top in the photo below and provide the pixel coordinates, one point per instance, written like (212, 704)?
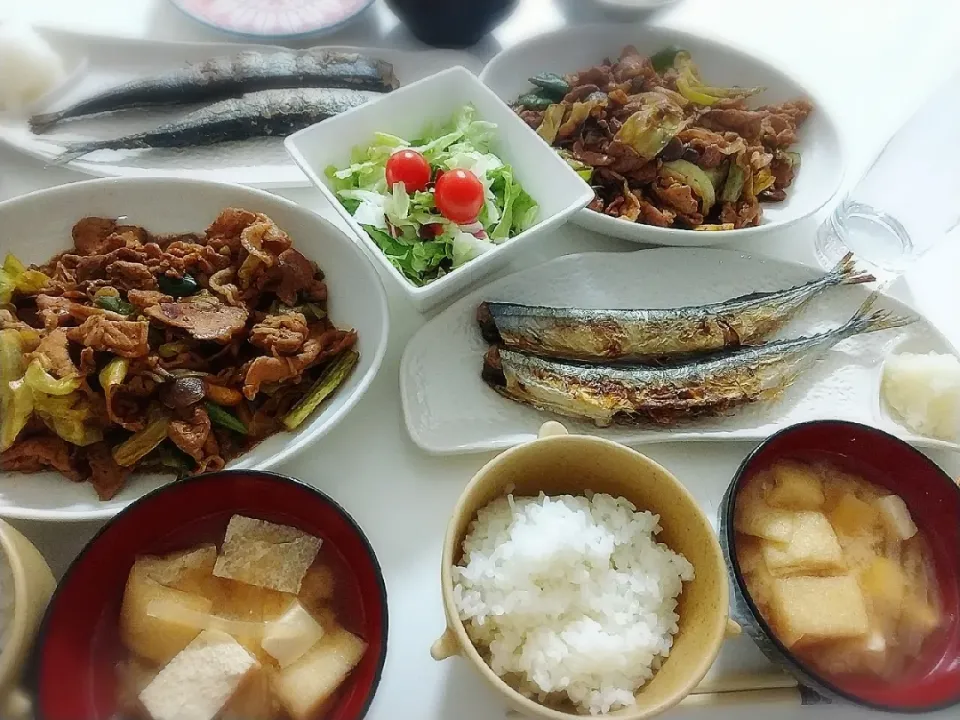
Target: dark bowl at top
(451, 23)
(933, 680)
(78, 646)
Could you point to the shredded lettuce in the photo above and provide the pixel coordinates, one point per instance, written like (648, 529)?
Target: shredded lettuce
(409, 230)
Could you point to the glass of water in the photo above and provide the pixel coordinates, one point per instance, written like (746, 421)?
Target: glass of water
(909, 199)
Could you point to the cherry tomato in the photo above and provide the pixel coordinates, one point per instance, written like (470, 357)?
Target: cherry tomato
(459, 196)
(409, 167)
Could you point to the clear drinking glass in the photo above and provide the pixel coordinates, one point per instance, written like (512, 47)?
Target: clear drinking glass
(908, 200)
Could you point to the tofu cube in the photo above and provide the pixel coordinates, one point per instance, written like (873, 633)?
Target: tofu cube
(852, 517)
(896, 517)
(815, 609)
(884, 587)
(307, 684)
(754, 517)
(200, 680)
(289, 637)
(150, 637)
(188, 570)
(265, 554)
(797, 487)
(813, 549)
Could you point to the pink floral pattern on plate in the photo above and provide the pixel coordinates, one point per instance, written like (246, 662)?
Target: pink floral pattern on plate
(272, 17)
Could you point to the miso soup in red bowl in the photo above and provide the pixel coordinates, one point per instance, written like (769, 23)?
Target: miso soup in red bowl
(844, 550)
(237, 594)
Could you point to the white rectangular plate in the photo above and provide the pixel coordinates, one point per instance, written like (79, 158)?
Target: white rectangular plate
(105, 62)
(449, 409)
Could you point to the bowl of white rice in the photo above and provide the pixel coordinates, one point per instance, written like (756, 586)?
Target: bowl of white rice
(579, 577)
(26, 585)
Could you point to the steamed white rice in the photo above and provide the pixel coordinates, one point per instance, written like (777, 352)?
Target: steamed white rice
(570, 595)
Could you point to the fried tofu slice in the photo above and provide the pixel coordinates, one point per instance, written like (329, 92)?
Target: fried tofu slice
(813, 549)
(265, 554)
(797, 487)
(187, 570)
(816, 609)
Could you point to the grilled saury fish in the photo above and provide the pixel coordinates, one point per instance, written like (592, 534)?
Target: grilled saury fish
(268, 112)
(228, 77)
(645, 335)
(665, 395)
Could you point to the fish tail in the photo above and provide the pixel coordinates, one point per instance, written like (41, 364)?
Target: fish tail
(72, 151)
(866, 321)
(41, 123)
(845, 272)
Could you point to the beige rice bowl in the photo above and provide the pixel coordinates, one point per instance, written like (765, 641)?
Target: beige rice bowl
(570, 599)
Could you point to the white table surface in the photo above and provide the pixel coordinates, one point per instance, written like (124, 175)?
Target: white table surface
(871, 61)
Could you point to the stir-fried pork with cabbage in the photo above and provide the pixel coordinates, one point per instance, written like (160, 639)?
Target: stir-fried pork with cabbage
(174, 353)
(661, 147)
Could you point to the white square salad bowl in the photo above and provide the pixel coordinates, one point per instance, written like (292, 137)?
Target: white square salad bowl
(433, 102)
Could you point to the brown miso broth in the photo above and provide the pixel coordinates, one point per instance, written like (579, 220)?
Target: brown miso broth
(836, 566)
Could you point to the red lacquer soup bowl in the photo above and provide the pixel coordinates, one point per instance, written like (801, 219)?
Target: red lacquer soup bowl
(74, 674)
(932, 680)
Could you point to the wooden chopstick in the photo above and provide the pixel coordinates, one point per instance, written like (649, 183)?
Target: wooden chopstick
(733, 690)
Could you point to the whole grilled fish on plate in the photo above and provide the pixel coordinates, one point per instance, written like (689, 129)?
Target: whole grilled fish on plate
(227, 77)
(711, 385)
(268, 112)
(644, 335)
(109, 65)
(449, 408)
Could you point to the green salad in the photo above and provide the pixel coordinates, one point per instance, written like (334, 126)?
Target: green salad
(436, 202)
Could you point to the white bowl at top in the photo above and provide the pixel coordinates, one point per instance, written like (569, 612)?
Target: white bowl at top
(37, 226)
(433, 101)
(576, 48)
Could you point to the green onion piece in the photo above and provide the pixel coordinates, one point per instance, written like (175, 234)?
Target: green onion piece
(141, 442)
(692, 175)
(329, 381)
(224, 418)
(114, 304)
(662, 60)
(533, 101)
(178, 287)
(733, 187)
(171, 349)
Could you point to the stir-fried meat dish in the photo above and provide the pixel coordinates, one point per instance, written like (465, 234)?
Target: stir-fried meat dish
(660, 147)
(172, 353)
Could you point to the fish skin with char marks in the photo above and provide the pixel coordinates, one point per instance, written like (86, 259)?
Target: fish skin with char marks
(606, 336)
(260, 114)
(228, 77)
(636, 394)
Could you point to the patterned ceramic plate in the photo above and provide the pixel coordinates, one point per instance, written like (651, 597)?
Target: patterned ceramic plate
(273, 18)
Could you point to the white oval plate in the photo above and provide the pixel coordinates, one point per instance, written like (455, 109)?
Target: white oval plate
(576, 48)
(449, 409)
(37, 226)
(259, 162)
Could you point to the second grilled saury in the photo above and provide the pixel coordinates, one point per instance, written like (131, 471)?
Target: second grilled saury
(645, 335)
(666, 395)
(226, 77)
(264, 113)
